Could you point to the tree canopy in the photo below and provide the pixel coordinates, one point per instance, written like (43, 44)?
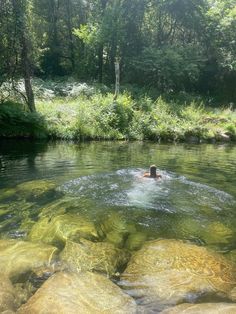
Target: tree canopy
(171, 45)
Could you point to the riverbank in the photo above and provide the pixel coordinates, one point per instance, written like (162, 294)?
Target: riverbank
(96, 116)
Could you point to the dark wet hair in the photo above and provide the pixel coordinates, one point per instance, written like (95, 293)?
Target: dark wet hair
(153, 171)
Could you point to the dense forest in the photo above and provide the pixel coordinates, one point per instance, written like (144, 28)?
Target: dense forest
(171, 46)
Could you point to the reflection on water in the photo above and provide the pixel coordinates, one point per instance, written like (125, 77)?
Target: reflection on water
(89, 205)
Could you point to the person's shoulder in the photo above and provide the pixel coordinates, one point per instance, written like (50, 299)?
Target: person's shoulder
(146, 175)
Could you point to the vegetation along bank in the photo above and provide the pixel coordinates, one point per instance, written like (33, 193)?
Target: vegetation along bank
(74, 111)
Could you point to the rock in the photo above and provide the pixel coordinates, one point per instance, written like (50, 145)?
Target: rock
(7, 294)
(211, 233)
(6, 194)
(100, 256)
(59, 229)
(35, 189)
(60, 207)
(19, 257)
(204, 308)
(135, 241)
(231, 256)
(168, 272)
(115, 238)
(222, 136)
(116, 229)
(86, 293)
(216, 233)
(30, 190)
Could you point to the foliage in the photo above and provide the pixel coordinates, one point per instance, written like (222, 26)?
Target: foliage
(171, 45)
(16, 122)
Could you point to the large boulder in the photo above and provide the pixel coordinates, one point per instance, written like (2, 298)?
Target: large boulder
(165, 272)
(204, 308)
(57, 230)
(19, 257)
(99, 256)
(7, 295)
(73, 293)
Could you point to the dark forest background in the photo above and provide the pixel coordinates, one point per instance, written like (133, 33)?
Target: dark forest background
(171, 45)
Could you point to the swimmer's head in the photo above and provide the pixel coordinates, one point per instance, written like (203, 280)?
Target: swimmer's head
(153, 171)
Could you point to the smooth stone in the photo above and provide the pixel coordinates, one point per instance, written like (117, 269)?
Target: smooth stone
(167, 272)
(99, 256)
(57, 230)
(7, 294)
(19, 257)
(204, 308)
(73, 293)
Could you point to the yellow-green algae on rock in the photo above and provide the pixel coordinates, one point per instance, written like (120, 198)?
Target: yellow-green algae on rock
(29, 190)
(202, 308)
(35, 188)
(135, 240)
(7, 294)
(18, 257)
(211, 233)
(57, 230)
(73, 293)
(100, 256)
(59, 207)
(115, 229)
(170, 271)
(216, 233)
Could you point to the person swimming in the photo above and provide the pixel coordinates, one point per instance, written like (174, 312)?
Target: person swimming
(152, 173)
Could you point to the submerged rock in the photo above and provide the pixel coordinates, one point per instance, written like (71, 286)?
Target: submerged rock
(100, 256)
(29, 190)
(211, 233)
(115, 229)
(7, 295)
(6, 194)
(217, 233)
(204, 308)
(59, 229)
(79, 293)
(19, 257)
(35, 189)
(59, 207)
(231, 256)
(171, 271)
(135, 241)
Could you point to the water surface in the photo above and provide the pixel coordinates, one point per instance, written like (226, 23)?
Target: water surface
(195, 200)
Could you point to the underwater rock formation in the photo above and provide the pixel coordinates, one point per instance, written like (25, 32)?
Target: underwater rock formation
(204, 308)
(19, 257)
(7, 295)
(170, 271)
(115, 229)
(59, 229)
(79, 293)
(100, 256)
(30, 190)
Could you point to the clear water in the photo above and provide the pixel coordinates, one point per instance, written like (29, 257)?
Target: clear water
(197, 189)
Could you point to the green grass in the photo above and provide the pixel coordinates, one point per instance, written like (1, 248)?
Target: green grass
(94, 115)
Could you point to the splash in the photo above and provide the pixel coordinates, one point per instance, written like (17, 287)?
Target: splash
(127, 187)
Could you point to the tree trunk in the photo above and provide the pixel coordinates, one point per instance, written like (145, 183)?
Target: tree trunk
(70, 35)
(100, 64)
(117, 72)
(20, 12)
